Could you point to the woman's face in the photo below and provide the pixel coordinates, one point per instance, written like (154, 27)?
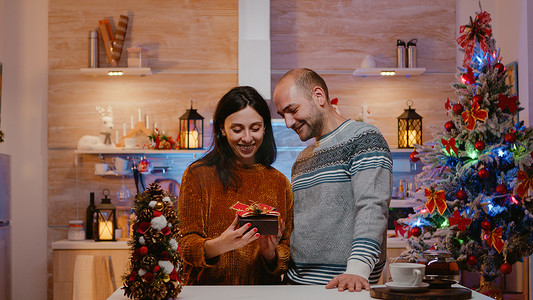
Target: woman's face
(244, 131)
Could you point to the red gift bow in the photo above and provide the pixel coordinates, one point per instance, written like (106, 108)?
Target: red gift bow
(244, 210)
(525, 183)
(450, 144)
(479, 30)
(509, 102)
(462, 223)
(471, 116)
(495, 239)
(435, 199)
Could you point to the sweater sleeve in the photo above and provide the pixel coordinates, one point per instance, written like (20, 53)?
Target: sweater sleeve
(371, 178)
(193, 218)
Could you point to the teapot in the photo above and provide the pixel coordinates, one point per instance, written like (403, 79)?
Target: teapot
(441, 269)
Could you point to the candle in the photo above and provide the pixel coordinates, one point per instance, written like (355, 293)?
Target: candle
(189, 139)
(116, 137)
(147, 122)
(140, 115)
(131, 122)
(124, 129)
(105, 230)
(155, 125)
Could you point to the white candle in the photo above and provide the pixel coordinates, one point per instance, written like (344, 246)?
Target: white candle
(116, 137)
(155, 125)
(190, 139)
(124, 129)
(105, 230)
(140, 119)
(131, 122)
(147, 122)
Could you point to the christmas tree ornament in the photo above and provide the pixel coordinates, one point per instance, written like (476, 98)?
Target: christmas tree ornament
(510, 137)
(144, 166)
(159, 206)
(470, 117)
(471, 260)
(479, 145)
(457, 108)
(483, 173)
(477, 99)
(501, 189)
(413, 156)
(508, 104)
(499, 67)
(486, 225)
(506, 268)
(449, 126)
(416, 231)
(461, 195)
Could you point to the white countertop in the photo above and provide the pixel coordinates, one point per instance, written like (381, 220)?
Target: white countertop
(89, 245)
(268, 292)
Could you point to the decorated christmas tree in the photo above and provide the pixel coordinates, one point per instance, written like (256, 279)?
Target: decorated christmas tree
(477, 176)
(155, 263)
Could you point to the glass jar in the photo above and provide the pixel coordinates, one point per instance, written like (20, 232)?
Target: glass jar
(75, 230)
(441, 268)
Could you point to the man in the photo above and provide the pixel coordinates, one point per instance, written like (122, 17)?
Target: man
(342, 187)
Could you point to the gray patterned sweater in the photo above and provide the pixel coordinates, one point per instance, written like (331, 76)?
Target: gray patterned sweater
(342, 188)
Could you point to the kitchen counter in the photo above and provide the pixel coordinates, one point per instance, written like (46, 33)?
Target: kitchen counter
(89, 245)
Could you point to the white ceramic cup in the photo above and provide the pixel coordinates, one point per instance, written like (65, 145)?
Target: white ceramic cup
(407, 274)
(130, 143)
(121, 164)
(100, 168)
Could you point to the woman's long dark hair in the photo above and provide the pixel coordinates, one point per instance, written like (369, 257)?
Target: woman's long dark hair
(221, 155)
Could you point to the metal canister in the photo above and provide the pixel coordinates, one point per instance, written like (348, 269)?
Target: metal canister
(411, 53)
(93, 49)
(400, 54)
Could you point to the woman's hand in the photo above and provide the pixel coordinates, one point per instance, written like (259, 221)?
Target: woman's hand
(268, 243)
(230, 239)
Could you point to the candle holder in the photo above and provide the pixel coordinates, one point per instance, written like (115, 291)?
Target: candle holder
(106, 219)
(409, 128)
(191, 130)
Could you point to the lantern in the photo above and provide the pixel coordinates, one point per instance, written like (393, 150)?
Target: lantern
(409, 128)
(106, 219)
(191, 130)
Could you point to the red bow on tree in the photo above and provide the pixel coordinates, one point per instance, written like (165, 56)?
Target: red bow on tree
(447, 105)
(495, 239)
(450, 144)
(462, 223)
(478, 30)
(507, 102)
(474, 114)
(525, 183)
(435, 199)
(468, 77)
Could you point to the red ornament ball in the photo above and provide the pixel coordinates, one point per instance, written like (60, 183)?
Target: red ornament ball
(486, 225)
(499, 67)
(477, 98)
(144, 250)
(413, 157)
(501, 189)
(461, 195)
(471, 260)
(416, 231)
(479, 145)
(506, 268)
(449, 126)
(483, 173)
(510, 137)
(457, 108)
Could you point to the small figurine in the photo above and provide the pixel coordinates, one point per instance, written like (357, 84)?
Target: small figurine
(103, 141)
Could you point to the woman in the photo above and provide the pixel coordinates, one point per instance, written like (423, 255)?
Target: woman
(238, 169)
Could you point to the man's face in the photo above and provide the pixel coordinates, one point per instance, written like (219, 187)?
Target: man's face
(301, 114)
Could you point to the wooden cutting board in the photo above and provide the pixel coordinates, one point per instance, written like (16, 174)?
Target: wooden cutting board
(430, 294)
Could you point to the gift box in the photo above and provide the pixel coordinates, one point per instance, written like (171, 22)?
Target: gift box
(261, 216)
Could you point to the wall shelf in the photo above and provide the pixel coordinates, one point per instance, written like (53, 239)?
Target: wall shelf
(114, 71)
(119, 151)
(407, 72)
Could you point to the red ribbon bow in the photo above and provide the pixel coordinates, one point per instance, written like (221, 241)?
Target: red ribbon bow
(462, 223)
(450, 144)
(474, 114)
(525, 183)
(495, 239)
(468, 77)
(244, 210)
(507, 102)
(479, 30)
(401, 230)
(447, 105)
(435, 199)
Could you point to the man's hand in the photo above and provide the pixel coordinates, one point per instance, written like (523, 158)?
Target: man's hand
(352, 283)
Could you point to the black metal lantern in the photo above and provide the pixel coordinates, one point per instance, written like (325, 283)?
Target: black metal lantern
(409, 128)
(191, 130)
(106, 219)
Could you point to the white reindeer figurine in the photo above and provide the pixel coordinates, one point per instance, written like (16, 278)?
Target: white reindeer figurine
(103, 141)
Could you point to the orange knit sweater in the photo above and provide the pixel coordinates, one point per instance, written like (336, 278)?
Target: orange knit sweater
(204, 212)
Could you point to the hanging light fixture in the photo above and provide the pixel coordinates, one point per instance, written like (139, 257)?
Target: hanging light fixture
(191, 130)
(106, 219)
(409, 128)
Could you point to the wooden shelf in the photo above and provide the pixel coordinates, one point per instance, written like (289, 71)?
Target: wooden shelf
(407, 72)
(125, 71)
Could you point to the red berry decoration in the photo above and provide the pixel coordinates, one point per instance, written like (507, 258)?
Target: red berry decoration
(413, 157)
(483, 173)
(477, 98)
(501, 189)
(449, 126)
(416, 231)
(506, 268)
(499, 67)
(510, 137)
(486, 225)
(471, 260)
(460, 194)
(479, 145)
(457, 108)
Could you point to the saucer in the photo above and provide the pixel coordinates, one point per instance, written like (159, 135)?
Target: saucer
(407, 288)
